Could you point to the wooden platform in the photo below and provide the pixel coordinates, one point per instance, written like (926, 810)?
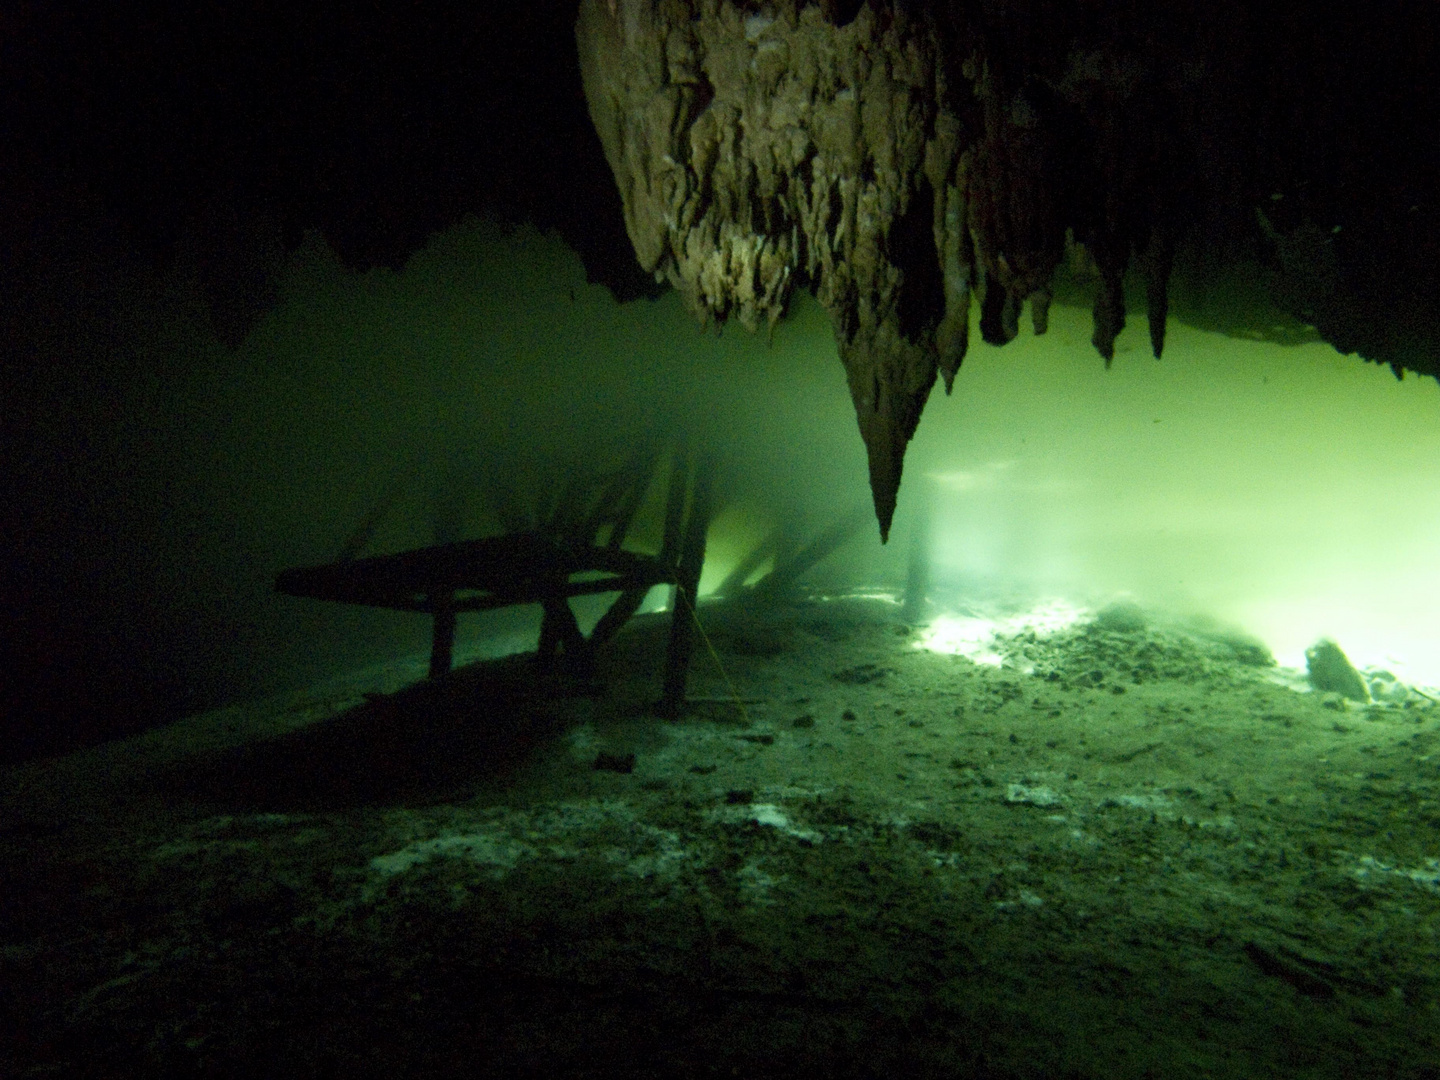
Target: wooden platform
(576, 550)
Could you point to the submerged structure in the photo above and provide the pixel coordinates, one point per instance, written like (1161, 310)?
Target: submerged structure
(1120, 761)
(571, 546)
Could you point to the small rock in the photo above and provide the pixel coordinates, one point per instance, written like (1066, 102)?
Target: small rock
(1122, 617)
(1330, 671)
(1385, 687)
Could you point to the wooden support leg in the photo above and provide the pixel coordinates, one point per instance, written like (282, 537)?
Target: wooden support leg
(735, 580)
(682, 615)
(775, 585)
(677, 656)
(917, 573)
(442, 641)
(619, 614)
(550, 631)
(560, 631)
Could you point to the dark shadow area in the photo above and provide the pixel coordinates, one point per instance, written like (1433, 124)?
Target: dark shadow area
(912, 248)
(331, 1014)
(427, 742)
(844, 862)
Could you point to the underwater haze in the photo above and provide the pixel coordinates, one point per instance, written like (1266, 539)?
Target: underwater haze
(163, 482)
(1286, 490)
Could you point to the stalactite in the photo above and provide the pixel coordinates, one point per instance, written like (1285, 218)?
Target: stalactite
(887, 159)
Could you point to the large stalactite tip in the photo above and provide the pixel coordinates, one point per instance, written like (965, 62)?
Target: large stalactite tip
(882, 161)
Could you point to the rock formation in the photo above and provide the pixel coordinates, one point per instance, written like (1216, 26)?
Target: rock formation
(896, 156)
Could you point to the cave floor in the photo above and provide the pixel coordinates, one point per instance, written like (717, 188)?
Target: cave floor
(1117, 855)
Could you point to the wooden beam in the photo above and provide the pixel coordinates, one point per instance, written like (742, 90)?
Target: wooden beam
(687, 580)
(560, 632)
(735, 580)
(625, 513)
(442, 640)
(785, 574)
(620, 612)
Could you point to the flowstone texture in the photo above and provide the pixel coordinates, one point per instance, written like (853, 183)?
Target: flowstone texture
(754, 150)
(893, 163)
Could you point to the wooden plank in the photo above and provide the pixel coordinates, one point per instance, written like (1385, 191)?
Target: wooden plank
(622, 497)
(517, 566)
(580, 588)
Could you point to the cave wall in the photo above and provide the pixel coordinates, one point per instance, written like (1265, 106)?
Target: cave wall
(898, 158)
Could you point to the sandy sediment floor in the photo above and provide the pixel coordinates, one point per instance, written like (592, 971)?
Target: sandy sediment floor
(1125, 851)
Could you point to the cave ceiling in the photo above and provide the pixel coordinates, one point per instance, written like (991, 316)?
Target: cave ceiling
(1274, 160)
(902, 160)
